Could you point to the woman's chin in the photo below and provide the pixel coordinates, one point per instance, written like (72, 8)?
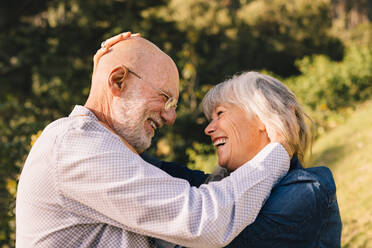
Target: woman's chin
(225, 165)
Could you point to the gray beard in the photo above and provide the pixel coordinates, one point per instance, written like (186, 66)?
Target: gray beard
(129, 117)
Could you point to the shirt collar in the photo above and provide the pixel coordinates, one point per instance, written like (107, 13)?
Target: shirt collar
(295, 163)
(82, 111)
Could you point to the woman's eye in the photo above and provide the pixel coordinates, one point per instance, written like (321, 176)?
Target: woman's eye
(219, 113)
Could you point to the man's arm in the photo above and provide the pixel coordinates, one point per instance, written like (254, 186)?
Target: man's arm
(102, 179)
(194, 177)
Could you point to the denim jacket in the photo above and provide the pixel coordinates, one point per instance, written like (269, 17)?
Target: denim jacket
(302, 209)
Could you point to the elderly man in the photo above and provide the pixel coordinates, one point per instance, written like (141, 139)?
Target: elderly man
(84, 184)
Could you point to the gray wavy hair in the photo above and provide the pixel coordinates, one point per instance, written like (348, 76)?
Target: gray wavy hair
(270, 100)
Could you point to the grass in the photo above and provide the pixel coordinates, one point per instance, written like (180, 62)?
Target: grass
(347, 151)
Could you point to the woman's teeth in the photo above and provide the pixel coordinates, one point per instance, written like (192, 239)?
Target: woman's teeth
(220, 141)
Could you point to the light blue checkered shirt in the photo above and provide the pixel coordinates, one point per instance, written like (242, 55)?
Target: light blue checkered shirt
(82, 187)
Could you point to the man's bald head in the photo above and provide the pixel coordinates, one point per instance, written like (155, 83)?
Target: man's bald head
(137, 54)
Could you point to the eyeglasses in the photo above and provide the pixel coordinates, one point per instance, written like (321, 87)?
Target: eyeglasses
(171, 101)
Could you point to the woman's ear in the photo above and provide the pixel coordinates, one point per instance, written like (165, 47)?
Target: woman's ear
(116, 79)
(260, 125)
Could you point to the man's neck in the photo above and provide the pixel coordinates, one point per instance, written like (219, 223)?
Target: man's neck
(100, 107)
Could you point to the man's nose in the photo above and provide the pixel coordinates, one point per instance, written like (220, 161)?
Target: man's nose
(169, 116)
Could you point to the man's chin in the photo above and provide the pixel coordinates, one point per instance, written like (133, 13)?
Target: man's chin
(144, 145)
(140, 140)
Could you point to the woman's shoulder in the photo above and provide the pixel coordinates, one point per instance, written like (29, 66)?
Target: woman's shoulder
(302, 191)
(313, 180)
(314, 176)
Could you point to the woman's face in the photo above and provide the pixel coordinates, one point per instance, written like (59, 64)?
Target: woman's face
(237, 135)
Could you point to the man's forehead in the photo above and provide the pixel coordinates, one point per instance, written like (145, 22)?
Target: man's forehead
(154, 65)
(163, 74)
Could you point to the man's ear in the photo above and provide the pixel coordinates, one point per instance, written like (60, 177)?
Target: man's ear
(116, 80)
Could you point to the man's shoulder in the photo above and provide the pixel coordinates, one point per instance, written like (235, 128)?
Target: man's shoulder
(64, 125)
(80, 133)
(81, 119)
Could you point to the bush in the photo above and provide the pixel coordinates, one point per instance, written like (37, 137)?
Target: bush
(328, 89)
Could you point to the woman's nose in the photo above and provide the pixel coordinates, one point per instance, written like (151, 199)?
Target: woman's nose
(210, 128)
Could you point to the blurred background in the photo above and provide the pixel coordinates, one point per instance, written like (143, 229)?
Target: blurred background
(321, 49)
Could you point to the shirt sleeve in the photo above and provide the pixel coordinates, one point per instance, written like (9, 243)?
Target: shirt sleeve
(98, 177)
(194, 177)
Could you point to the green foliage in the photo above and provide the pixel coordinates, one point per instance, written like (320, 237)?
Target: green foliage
(330, 88)
(46, 51)
(283, 30)
(202, 157)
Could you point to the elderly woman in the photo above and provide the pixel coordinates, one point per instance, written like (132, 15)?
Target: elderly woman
(302, 210)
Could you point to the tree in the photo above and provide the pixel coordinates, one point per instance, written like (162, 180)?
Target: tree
(47, 47)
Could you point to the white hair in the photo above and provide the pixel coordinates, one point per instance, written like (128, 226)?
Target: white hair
(270, 100)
